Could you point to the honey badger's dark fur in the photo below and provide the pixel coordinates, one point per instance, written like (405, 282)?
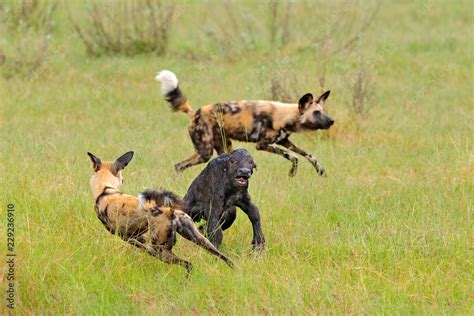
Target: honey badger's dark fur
(155, 211)
(266, 123)
(218, 189)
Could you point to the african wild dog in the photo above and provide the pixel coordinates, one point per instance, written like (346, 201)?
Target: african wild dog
(266, 123)
(154, 211)
(219, 188)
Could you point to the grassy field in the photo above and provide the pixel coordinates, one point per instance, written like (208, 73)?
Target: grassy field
(389, 231)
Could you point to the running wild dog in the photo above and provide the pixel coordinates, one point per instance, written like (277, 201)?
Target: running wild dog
(266, 123)
(154, 211)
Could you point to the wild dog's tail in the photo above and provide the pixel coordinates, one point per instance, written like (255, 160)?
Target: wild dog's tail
(172, 93)
(188, 230)
(161, 198)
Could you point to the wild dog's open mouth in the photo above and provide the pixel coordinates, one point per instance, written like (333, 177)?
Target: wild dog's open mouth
(242, 180)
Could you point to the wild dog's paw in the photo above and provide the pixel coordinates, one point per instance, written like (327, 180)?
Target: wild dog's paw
(229, 262)
(293, 170)
(178, 169)
(321, 171)
(294, 166)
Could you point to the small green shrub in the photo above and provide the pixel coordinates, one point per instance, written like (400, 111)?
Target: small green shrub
(25, 27)
(125, 27)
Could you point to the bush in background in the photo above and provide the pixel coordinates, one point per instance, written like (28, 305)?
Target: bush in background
(25, 29)
(362, 94)
(125, 27)
(332, 37)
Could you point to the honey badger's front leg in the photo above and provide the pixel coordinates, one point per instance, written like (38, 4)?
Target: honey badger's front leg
(245, 203)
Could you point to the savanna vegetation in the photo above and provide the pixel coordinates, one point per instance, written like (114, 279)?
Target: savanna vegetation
(389, 231)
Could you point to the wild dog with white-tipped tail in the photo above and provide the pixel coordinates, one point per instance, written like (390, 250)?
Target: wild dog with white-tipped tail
(266, 123)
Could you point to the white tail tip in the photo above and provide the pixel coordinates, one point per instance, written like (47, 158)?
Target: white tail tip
(168, 80)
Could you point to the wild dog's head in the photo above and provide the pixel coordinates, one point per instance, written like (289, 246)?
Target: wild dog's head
(239, 167)
(311, 112)
(108, 174)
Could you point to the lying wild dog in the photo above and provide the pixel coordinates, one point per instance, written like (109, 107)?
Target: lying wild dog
(156, 211)
(266, 123)
(219, 188)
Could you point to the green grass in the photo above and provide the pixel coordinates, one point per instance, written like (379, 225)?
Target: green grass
(389, 231)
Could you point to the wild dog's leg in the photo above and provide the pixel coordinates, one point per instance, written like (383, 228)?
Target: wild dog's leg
(195, 159)
(133, 237)
(219, 148)
(271, 148)
(288, 144)
(138, 242)
(188, 230)
(163, 237)
(229, 145)
(201, 135)
(168, 256)
(225, 147)
(163, 253)
(253, 213)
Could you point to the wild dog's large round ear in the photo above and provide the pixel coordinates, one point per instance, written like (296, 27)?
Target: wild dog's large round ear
(305, 102)
(121, 162)
(323, 97)
(96, 162)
